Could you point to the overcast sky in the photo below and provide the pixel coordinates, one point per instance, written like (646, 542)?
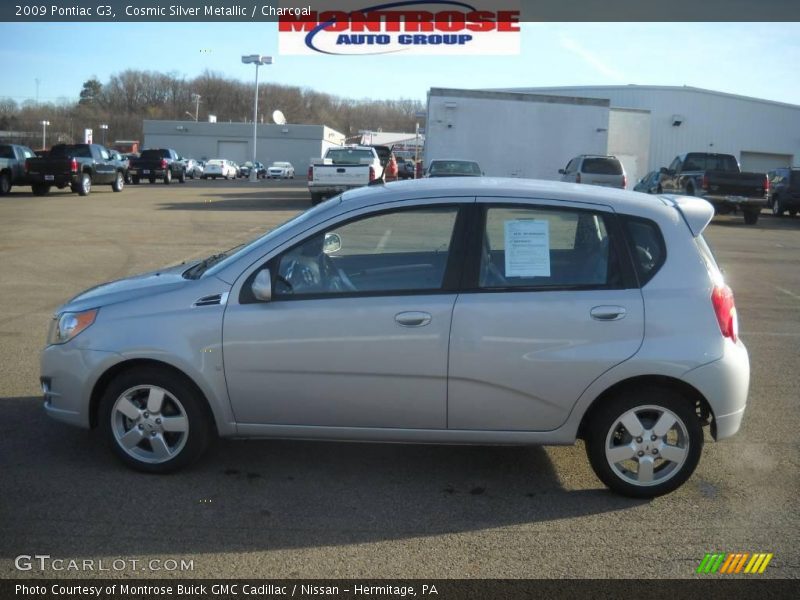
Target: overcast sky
(752, 59)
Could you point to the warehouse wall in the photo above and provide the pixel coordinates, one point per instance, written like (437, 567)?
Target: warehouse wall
(294, 143)
(514, 135)
(629, 141)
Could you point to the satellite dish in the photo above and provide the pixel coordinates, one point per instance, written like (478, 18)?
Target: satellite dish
(278, 117)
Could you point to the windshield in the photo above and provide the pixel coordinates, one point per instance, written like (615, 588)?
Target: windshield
(69, 151)
(711, 162)
(602, 166)
(217, 262)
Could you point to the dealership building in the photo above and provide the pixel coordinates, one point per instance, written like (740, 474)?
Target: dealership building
(296, 144)
(532, 132)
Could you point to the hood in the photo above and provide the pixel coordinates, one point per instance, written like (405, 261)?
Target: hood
(122, 290)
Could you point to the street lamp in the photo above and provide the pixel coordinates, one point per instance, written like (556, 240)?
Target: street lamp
(257, 60)
(44, 134)
(196, 98)
(104, 128)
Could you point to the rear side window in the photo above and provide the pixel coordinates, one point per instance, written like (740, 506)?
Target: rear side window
(602, 166)
(647, 247)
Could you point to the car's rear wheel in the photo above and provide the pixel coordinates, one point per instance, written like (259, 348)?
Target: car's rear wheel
(5, 184)
(792, 212)
(154, 421)
(84, 186)
(777, 208)
(751, 216)
(168, 177)
(182, 177)
(645, 442)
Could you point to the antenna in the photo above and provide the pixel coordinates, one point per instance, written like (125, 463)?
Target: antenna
(278, 117)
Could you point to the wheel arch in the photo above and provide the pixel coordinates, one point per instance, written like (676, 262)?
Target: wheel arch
(702, 408)
(115, 370)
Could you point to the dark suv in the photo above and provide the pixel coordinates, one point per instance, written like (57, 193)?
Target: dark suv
(784, 191)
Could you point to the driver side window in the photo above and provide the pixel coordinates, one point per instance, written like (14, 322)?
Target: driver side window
(397, 251)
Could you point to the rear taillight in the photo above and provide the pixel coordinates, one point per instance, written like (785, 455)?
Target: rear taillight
(578, 178)
(725, 309)
(766, 184)
(624, 182)
(310, 173)
(73, 165)
(27, 164)
(163, 163)
(704, 183)
(372, 173)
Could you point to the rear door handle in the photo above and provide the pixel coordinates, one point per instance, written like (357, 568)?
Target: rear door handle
(412, 318)
(608, 313)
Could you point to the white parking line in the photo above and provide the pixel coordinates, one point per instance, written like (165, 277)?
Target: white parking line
(788, 293)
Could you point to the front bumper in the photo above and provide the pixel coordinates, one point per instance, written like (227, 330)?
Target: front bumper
(68, 376)
(725, 384)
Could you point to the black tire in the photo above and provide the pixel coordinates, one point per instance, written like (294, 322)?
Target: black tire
(5, 184)
(119, 182)
(690, 190)
(659, 190)
(40, 189)
(792, 212)
(84, 186)
(168, 177)
(197, 416)
(152, 180)
(316, 199)
(135, 180)
(777, 208)
(182, 177)
(604, 427)
(751, 216)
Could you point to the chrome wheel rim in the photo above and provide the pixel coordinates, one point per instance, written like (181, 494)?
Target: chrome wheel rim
(87, 183)
(647, 445)
(776, 207)
(149, 424)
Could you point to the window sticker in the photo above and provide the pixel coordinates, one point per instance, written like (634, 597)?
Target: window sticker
(527, 248)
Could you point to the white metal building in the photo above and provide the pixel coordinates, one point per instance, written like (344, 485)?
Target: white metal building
(762, 134)
(297, 144)
(513, 134)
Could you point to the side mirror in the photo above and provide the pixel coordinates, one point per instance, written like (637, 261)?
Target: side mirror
(332, 243)
(262, 286)
(562, 171)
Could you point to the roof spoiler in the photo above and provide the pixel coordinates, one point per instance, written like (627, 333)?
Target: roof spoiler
(695, 211)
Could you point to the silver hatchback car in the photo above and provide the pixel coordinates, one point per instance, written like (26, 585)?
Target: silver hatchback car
(457, 311)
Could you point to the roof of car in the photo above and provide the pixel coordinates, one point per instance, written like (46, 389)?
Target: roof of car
(625, 201)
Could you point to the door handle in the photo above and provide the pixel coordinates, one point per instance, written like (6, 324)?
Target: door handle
(608, 313)
(412, 318)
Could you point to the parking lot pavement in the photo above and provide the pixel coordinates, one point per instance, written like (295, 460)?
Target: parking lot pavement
(286, 509)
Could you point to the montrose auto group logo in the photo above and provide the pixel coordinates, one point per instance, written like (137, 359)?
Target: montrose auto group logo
(444, 27)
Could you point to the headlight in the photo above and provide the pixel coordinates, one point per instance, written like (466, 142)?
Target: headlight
(69, 324)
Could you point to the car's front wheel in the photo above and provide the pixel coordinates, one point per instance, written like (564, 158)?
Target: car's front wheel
(154, 420)
(645, 442)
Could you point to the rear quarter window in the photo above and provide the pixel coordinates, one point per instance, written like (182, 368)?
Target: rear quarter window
(647, 247)
(602, 166)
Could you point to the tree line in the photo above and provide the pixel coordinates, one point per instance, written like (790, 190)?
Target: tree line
(131, 96)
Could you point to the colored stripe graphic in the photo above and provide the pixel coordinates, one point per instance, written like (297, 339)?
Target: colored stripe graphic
(734, 562)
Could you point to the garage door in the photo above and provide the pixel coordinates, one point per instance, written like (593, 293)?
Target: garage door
(235, 151)
(761, 162)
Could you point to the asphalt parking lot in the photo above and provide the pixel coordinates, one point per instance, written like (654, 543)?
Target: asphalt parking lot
(304, 509)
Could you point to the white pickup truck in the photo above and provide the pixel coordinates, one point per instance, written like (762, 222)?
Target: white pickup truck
(342, 169)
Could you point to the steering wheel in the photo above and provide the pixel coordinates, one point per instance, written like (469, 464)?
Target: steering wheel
(338, 281)
(300, 276)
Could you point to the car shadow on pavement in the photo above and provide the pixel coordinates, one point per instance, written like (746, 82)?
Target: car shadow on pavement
(64, 491)
(257, 201)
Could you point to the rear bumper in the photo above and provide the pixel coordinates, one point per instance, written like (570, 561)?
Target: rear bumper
(57, 179)
(737, 201)
(145, 173)
(725, 384)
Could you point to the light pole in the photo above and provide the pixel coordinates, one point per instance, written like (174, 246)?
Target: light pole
(257, 60)
(196, 98)
(44, 134)
(104, 128)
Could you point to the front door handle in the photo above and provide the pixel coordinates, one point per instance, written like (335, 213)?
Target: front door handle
(608, 313)
(412, 318)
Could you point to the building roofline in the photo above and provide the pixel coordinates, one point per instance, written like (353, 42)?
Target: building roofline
(517, 96)
(684, 88)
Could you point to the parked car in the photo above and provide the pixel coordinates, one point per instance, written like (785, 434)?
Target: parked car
(193, 168)
(342, 168)
(784, 191)
(591, 314)
(718, 179)
(219, 167)
(405, 168)
(454, 168)
(261, 170)
(158, 163)
(12, 166)
(280, 170)
(592, 169)
(649, 184)
(79, 166)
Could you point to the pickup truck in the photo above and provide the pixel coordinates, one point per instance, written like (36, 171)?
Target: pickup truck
(79, 166)
(12, 166)
(342, 168)
(784, 191)
(718, 179)
(158, 163)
